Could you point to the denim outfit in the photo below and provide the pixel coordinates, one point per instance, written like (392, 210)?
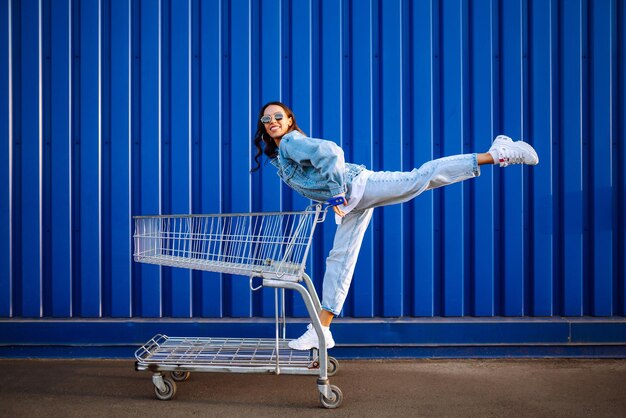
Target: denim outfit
(313, 167)
(316, 169)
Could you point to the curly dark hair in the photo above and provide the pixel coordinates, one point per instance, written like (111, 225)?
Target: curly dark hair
(264, 143)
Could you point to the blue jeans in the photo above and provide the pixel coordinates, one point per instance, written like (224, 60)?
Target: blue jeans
(383, 188)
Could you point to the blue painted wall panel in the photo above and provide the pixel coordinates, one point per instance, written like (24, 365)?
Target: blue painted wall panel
(483, 87)
(512, 185)
(270, 48)
(121, 158)
(238, 152)
(208, 287)
(619, 260)
(361, 302)
(453, 210)
(389, 219)
(601, 81)
(180, 140)
(543, 108)
(425, 111)
(30, 154)
(90, 164)
(148, 292)
(571, 175)
(60, 171)
(6, 156)
(114, 108)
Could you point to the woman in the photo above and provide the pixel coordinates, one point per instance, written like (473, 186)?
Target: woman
(316, 169)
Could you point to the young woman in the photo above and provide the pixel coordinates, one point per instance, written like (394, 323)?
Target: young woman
(316, 169)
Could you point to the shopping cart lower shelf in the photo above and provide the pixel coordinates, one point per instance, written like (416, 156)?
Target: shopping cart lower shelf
(182, 355)
(271, 246)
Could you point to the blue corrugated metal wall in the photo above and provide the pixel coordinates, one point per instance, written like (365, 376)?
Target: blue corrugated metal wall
(114, 108)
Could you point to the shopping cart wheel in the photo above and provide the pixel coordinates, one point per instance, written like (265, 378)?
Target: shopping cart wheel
(179, 376)
(333, 365)
(335, 401)
(170, 390)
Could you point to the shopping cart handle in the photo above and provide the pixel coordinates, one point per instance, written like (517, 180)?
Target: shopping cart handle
(334, 201)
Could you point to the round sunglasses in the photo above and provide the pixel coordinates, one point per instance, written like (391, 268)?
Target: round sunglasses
(268, 118)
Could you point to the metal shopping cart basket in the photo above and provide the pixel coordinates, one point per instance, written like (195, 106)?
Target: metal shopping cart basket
(271, 247)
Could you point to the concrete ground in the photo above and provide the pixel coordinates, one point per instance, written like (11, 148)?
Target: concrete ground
(405, 388)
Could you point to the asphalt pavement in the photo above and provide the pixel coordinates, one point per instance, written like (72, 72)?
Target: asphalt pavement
(371, 388)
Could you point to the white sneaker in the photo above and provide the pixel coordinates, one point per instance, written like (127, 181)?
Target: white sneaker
(309, 340)
(506, 151)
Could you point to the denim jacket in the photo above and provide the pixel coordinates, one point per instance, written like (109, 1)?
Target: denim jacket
(313, 167)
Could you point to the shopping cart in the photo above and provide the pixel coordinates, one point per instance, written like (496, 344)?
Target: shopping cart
(271, 247)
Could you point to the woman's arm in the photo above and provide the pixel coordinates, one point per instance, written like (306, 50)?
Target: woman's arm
(325, 156)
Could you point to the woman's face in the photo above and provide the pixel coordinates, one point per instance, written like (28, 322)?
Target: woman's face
(278, 123)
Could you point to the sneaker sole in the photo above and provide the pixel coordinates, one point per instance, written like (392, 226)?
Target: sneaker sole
(305, 348)
(526, 146)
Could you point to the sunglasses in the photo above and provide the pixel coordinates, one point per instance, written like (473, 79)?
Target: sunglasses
(268, 118)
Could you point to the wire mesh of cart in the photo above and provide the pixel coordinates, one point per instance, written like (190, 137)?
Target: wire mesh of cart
(269, 246)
